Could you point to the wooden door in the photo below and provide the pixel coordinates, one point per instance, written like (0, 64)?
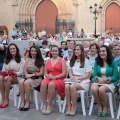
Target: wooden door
(45, 16)
(112, 19)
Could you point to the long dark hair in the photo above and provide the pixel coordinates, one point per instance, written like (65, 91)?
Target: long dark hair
(109, 59)
(82, 56)
(39, 60)
(9, 57)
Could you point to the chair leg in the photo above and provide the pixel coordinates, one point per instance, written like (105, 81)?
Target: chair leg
(15, 94)
(59, 102)
(64, 105)
(114, 102)
(91, 105)
(36, 100)
(118, 114)
(111, 104)
(83, 102)
(19, 101)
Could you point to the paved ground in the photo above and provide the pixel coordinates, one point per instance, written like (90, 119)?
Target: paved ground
(13, 113)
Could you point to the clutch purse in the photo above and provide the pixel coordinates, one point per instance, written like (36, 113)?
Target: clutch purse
(68, 80)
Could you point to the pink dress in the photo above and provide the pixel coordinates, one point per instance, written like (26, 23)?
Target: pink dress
(56, 70)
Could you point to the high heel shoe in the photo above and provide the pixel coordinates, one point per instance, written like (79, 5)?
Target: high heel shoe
(6, 104)
(44, 110)
(99, 114)
(26, 109)
(104, 114)
(21, 108)
(2, 101)
(49, 110)
(73, 112)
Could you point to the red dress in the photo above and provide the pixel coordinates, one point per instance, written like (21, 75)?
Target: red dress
(56, 70)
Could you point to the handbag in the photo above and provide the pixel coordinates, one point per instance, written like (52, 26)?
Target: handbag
(68, 80)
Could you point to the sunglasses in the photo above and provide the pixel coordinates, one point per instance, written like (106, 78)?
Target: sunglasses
(27, 50)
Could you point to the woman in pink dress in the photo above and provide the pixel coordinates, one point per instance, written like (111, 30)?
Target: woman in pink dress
(55, 72)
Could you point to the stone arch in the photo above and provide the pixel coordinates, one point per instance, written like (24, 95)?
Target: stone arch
(28, 7)
(105, 4)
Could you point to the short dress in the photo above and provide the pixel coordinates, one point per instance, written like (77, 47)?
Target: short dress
(56, 70)
(77, 71)
(103, 75)
(31, 68)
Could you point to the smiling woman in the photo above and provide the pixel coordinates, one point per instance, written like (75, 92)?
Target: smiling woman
(11, 73)
(105, 78)
(55, 73)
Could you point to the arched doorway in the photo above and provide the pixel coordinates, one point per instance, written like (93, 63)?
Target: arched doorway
(45, 16)
(112, 18)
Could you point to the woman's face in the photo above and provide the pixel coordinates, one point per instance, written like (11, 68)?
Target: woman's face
(77, 51)
(54, 52)
(93, 50)
(31, 44)
(103, 53)
(33, 52)
(12, 50)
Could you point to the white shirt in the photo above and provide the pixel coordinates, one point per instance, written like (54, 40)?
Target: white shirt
(81, 71)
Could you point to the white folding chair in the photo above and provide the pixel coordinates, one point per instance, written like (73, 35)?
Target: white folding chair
(118, 114)
(32, 97)
(109, 94)
(15, 87)
(82, 94)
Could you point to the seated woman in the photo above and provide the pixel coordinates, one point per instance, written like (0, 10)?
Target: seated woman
(80, 70)
(34, 70)
(55, 73)
(11, 73)
(105, 78)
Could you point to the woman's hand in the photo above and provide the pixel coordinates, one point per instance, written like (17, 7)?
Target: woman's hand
(73, 78)
(28, 76)
(100, 80)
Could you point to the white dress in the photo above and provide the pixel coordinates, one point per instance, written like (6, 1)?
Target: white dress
(110, 86)
(77, 71)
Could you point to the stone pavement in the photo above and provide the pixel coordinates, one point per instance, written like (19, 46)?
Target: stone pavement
(13, 113)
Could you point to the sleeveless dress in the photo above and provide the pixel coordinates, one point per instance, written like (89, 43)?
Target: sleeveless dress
(56, 70)
(32, 69)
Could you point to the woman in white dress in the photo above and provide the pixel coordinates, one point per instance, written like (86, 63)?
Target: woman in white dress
(80, 70)
(105, 78)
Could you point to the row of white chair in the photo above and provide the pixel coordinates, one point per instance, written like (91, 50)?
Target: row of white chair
(83, 95)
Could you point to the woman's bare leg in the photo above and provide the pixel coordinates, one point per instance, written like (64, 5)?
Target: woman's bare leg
(103, 96)
(73, 89)
(68, 97)
(22, 92)
(95, 92)
(27, 88)
(2, 89)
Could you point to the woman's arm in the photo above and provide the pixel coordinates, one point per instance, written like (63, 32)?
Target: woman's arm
(95, 74)
(114, 76)
(46, 72)
(86, 76)
(21, 68)
(41, 73)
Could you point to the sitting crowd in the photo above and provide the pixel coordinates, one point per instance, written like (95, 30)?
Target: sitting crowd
(88, 62)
